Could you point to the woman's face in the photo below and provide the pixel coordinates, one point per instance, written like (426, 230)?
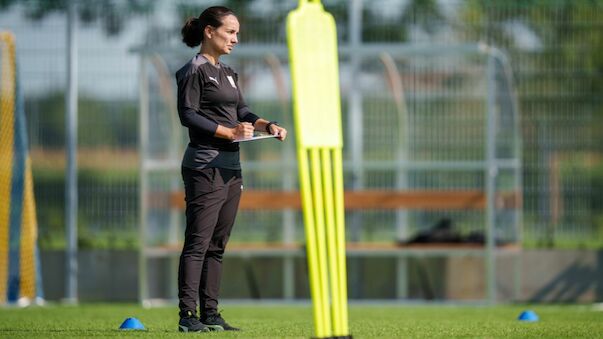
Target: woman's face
(224, 38)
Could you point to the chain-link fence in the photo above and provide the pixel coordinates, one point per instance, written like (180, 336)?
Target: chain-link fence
(553, 47)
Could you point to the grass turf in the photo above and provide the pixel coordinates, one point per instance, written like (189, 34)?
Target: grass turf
(103, 320)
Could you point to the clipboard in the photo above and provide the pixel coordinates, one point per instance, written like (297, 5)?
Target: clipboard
(257, 136)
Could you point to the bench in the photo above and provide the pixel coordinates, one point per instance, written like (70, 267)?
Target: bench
(374, 199)
(429, 200)
(355, 249)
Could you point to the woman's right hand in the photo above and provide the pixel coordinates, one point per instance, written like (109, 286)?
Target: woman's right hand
(243, 130)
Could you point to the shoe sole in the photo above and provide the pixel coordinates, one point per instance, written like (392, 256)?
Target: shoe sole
(216, 328)
(185, 329)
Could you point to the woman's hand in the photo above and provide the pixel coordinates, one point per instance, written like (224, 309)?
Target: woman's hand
(277, 130)
(243, 130)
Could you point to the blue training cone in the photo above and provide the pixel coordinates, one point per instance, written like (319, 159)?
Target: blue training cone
(528, 315)
(131, 324)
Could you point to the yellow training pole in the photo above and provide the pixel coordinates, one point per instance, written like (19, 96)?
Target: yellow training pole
(311, 247)
(321, 241)
(340, 231)
(329, 210)
(29, 235)
(7, 123)
(317, 115)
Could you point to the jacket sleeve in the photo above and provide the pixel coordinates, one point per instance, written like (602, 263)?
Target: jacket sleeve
(189, 98)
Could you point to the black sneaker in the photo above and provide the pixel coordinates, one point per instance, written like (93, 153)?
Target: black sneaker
(217, 323)
(190, 323)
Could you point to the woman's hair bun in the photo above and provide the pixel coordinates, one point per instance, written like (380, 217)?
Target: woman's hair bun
(192, 32)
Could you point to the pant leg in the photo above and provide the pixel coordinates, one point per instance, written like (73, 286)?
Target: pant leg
(212, 267)
(204, 200)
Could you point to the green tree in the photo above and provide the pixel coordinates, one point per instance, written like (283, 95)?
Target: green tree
(571, 29)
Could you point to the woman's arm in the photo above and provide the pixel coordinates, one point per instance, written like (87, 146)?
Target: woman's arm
(274, 129)
(189, 97)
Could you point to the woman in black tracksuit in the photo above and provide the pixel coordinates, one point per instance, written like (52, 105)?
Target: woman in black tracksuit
(211, 106)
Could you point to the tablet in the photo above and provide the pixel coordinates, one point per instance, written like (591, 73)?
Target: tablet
(257, 136)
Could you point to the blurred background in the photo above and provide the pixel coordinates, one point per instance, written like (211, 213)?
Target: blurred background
(414, 87)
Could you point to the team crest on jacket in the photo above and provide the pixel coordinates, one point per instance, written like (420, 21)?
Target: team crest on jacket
(231, 80)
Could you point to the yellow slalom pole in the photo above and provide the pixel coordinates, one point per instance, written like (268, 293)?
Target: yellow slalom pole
(7, 122)
(320, 236)
(29, 234)
(340, 231)
(329, 209)
(319, 101)
(311, 245)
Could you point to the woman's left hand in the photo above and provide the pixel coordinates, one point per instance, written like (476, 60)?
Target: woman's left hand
(280, 132)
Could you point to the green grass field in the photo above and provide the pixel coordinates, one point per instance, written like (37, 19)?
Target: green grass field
(103, 320)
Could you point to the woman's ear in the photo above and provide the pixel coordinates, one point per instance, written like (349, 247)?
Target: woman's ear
(208, 31)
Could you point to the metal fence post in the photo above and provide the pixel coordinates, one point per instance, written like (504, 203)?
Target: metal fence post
(143, 116)
(490, 177)
(71, 191)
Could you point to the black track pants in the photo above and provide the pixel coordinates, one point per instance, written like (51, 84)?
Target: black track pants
(212, 198)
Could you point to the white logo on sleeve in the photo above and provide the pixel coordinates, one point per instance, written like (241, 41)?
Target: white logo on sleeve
(231, 80)
(214, 79)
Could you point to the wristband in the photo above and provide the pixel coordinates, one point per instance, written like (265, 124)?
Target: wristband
(270, 124)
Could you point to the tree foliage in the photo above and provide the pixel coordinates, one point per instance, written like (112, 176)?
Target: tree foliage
(570, 29)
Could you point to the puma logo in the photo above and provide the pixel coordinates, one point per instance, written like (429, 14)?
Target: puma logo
(214, 79)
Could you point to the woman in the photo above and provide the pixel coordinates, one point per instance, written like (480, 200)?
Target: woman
(211, 106)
